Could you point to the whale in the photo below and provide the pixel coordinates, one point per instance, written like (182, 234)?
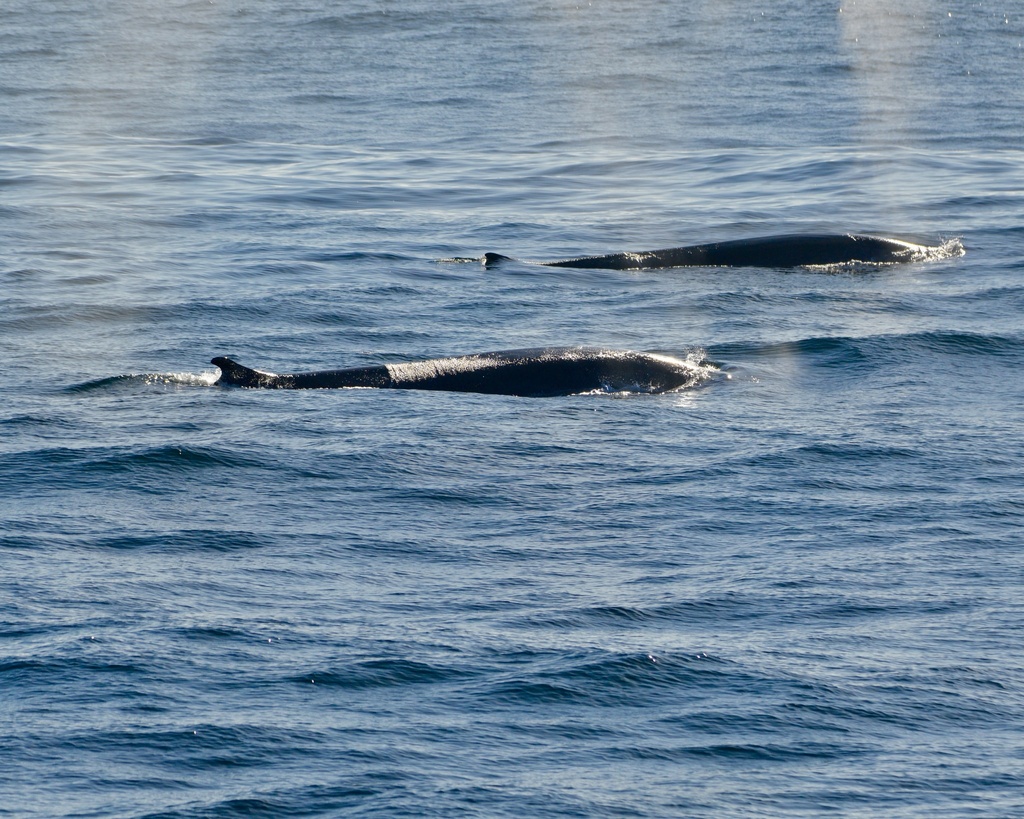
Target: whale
(534, 373)
(789, 251)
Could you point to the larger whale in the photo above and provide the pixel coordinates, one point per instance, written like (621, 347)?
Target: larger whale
(789, 251)
(539, 372)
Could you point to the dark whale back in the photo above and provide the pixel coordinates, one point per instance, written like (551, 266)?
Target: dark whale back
(538, 372)
(768, 251)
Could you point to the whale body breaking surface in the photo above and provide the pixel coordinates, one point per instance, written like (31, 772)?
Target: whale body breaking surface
(789, 251)
(537, 373)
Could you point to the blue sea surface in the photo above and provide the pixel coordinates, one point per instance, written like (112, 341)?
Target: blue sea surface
(794, 589)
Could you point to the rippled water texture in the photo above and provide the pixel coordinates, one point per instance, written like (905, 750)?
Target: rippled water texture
(792, 589)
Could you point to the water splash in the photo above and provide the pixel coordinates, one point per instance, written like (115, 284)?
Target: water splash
(136, 381)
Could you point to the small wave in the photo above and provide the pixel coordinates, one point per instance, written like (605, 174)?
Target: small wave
(608, 677)
(37, 422)
(964, 343)
(148, 467)
(356, 256)
(208, 745)
(133, 381)
(768, 752)
(384, 673)
(717, 609)
(173, 458)
(212, 141)
(189, 540)
(882, 350)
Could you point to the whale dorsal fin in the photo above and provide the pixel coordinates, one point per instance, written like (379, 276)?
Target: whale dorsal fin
(231, 372)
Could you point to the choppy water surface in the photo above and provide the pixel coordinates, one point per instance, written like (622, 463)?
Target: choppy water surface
(793, 589)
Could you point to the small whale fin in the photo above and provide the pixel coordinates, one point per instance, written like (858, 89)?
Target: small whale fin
(487, 259)
(231, 372)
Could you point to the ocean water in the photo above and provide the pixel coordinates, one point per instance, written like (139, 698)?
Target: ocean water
(792, 590)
